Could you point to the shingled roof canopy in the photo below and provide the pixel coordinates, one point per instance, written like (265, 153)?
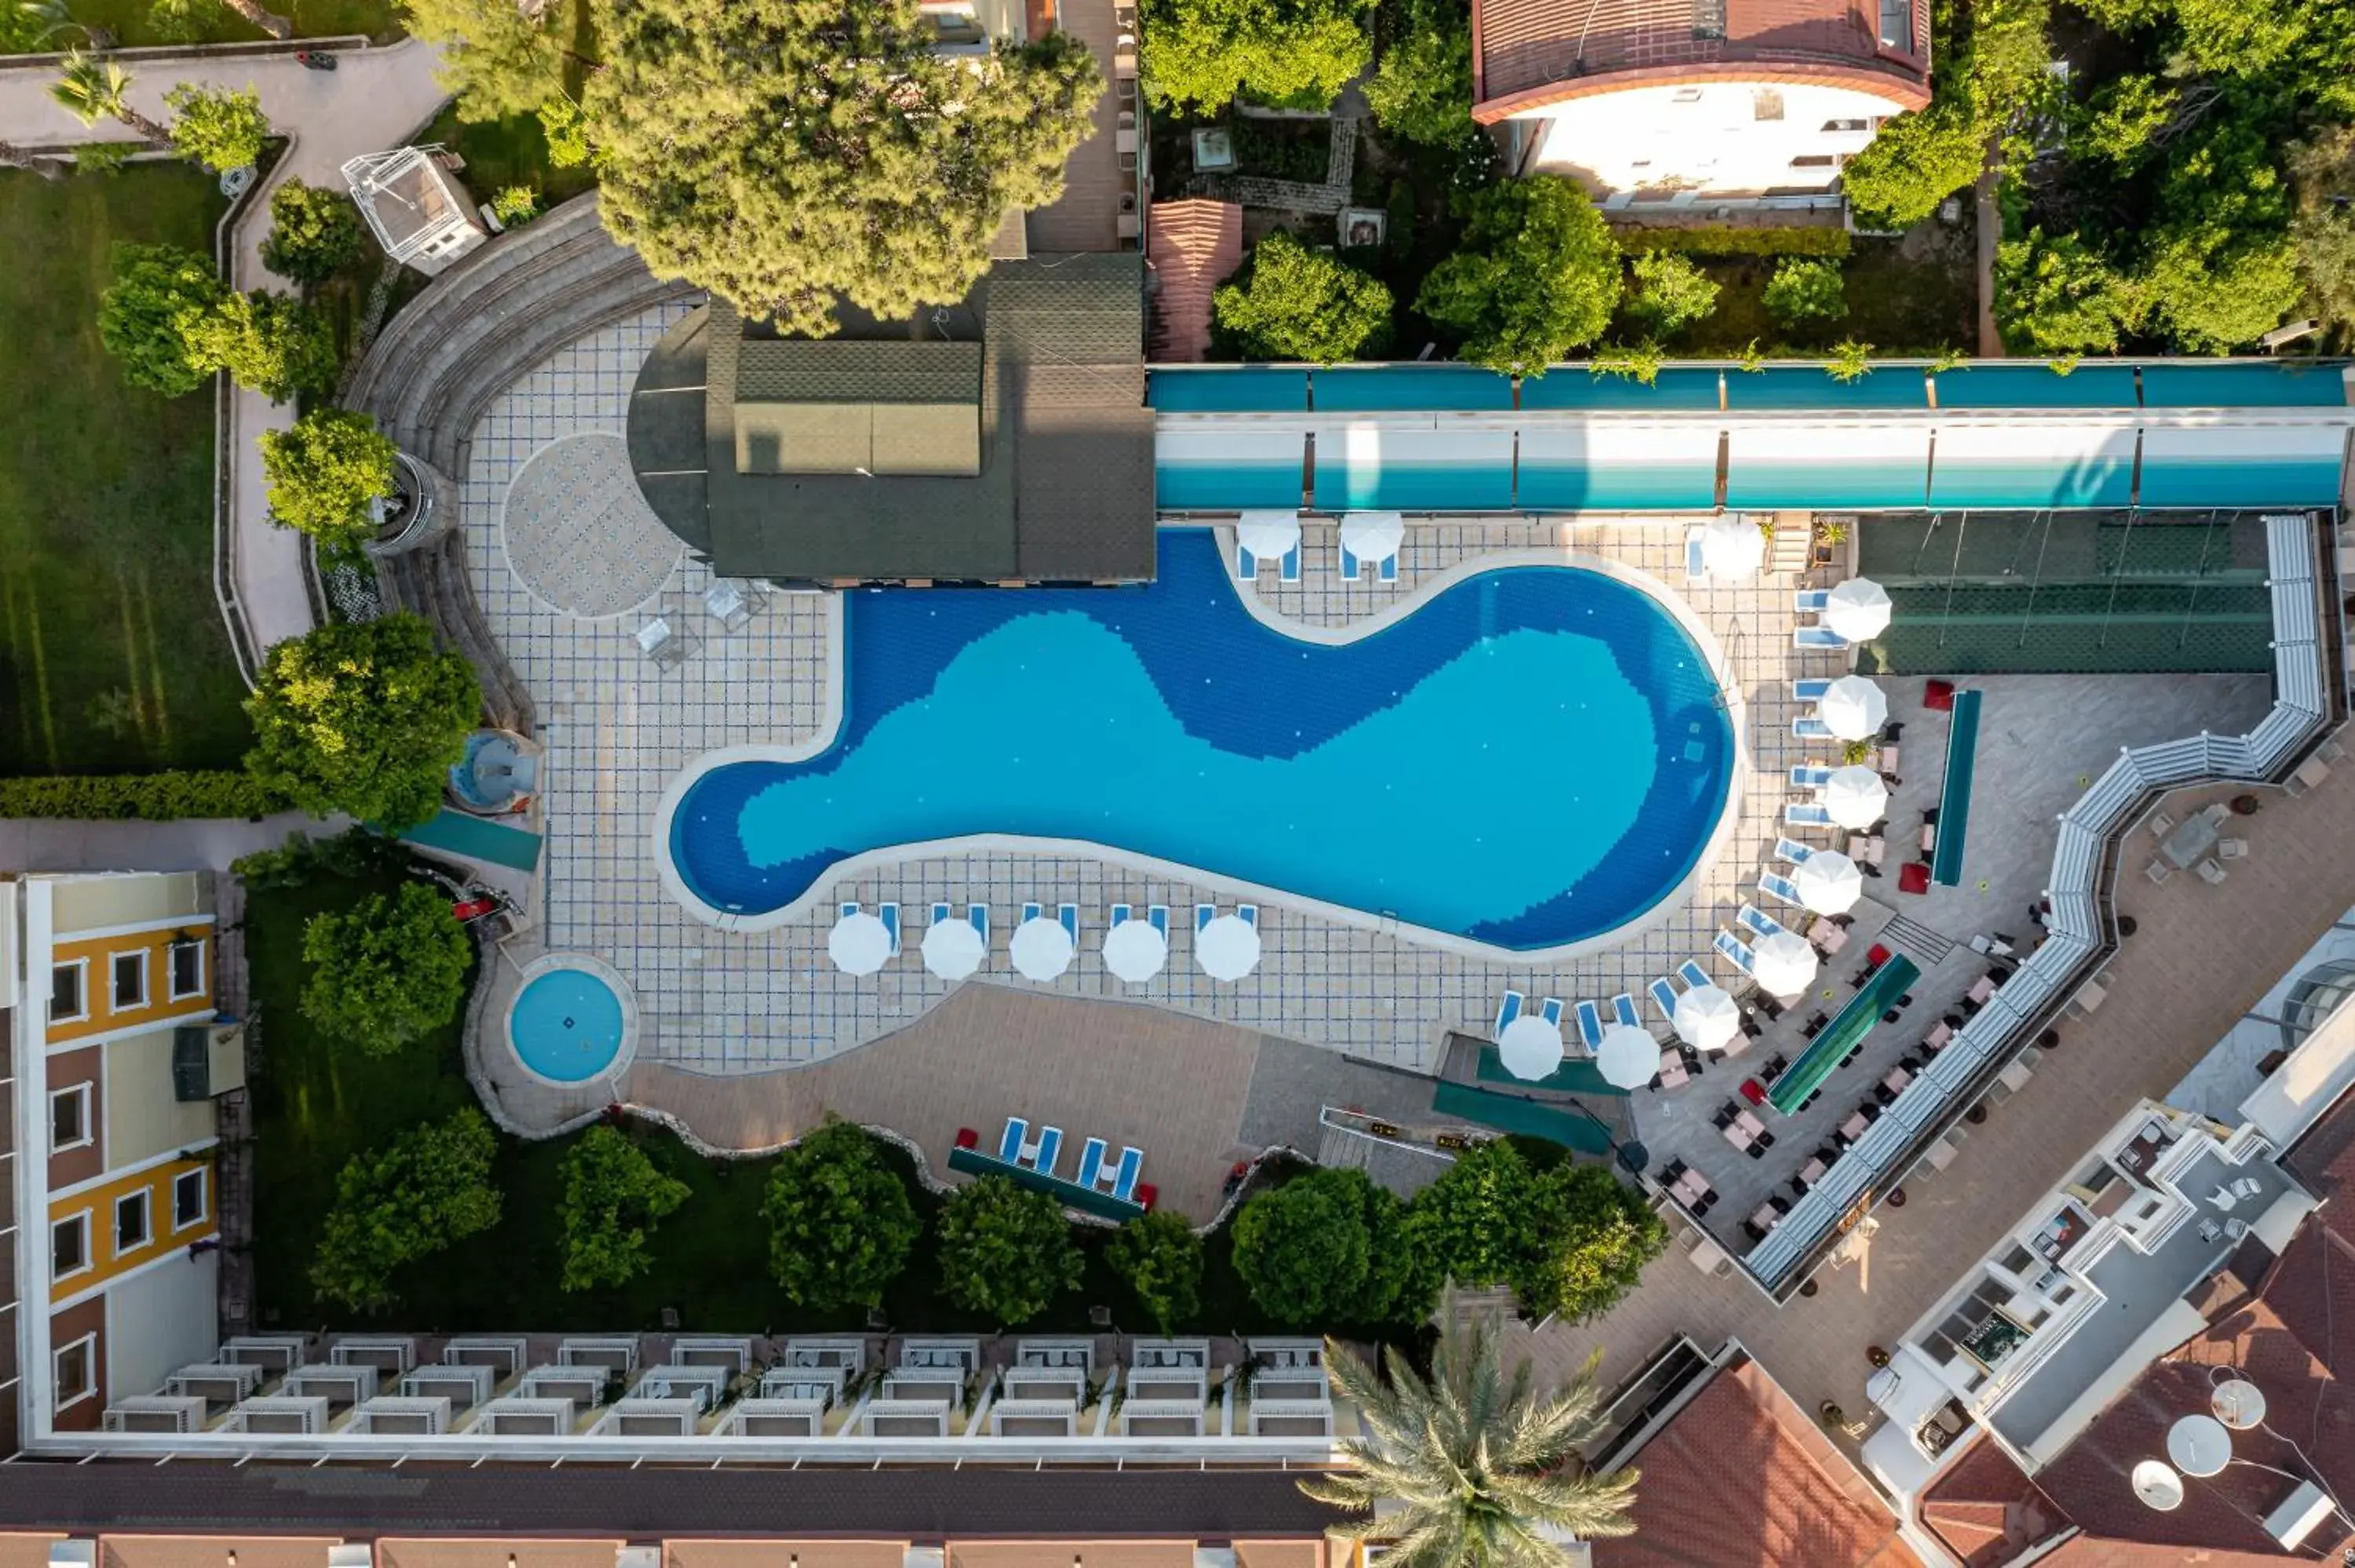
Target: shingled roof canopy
(1003, 440)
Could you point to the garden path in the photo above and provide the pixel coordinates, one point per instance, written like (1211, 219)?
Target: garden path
(375, 99)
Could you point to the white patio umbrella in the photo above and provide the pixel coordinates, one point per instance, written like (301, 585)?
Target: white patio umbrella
(953, 949)
(1228, 947)
(1135, 951)
(1372, 535)
(1530, 1047)
(1627, 1058)
(859, 943)
(1828, 882)
(1854, 708)
(1858, 610)
(1731, 548)
(1707, 1019)
(1040, 949)
(1782, 964)
(1856, 796)
(1268, 534)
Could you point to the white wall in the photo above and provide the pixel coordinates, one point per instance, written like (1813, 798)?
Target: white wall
(160, 1320)
(1704, 136)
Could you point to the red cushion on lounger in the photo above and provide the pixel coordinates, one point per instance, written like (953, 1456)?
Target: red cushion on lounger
(1147, 1193)
(1938, 696)
(967, 1138)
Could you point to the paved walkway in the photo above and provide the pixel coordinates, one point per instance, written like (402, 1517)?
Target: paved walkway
(373, 100)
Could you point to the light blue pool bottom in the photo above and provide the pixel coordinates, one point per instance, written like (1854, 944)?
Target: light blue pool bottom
(567, 1025)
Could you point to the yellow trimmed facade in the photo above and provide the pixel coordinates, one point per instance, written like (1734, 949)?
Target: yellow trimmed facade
(162, 955)
(98, 1204)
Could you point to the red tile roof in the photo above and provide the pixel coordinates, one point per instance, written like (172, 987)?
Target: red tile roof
(1742, 1478)
(1192, 248)
(1533, 52)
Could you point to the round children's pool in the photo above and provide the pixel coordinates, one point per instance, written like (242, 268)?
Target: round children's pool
(573, 1020)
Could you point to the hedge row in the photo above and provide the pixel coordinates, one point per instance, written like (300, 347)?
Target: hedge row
(1738, 241)
(144, 796)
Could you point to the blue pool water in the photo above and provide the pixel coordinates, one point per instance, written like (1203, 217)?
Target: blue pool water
(1533, 757)
(566, 1025)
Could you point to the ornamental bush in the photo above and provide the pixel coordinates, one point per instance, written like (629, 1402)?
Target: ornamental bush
(403, 1201)
(1804, 293)
(840, 1225)
(313, 231)
(388, 971)
(156, 288)
(1590, 1236)
(1539, 276)
(1005, 1251)
(1329, 1247)
(1298, 303)
(1671, 292)
(1159, 1258)
(139, 797)
(217, 127)
(613, 1197)
(1201, 55)
(325, 475)
(269, 343)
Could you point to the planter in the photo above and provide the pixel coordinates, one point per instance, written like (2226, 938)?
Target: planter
(413, 514)
(1876, 1355)
(2048, 1041)
(2245, 805)
(1976, 1114)
(2126, 927)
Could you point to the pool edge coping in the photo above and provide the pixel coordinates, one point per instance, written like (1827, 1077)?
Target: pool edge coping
(625, 1052)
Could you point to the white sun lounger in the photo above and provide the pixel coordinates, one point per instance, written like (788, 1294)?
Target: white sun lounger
(1810, 777)
(1736, 951)
(1506, 1010)
(1810, 691)
(1810, 601)
(1802, 814)
(1781, 887)
(1693, 975)
(1756, 922)
(1792, 851)
(1663, 997)
(1808, 726)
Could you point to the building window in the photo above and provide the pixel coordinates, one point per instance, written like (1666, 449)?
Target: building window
(187, 969)
(1842, 127)
(70, 1246)
(69, 1118)
(73, 1370)
(1814, 161)
(188, 1200)
(1765, 103)
(129, 980)
(133, 1223)
(69, 997)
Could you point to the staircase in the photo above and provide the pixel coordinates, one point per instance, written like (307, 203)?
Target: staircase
(1795, 533)
(1916, 940)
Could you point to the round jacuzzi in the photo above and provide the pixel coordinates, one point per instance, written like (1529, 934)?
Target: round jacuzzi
(572, 1019)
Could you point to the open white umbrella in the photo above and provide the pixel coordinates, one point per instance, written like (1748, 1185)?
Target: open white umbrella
(1854, 708)
(1135, 951)
(1372, 535)
(1530, 1047)
(1858, 610)
(1856, 796)
(1731, 548)
(1707, 1019)
(953, 949)
(1828, 882)
(1268, 534)
(1228, 947)
(1042, 950)
(1627, 1058)
(859, 943)
(1782, 964)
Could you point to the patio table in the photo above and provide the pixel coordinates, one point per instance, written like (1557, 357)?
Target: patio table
(2190, 840)
(1855, 1127)
(1811, 1172)
(1738, 1136)
(1691, 1188)
(1765, 1218)
(1982, 988)
(1939, 1035)
(1896, 1081)
(1672, 1071)
(1750, 1124)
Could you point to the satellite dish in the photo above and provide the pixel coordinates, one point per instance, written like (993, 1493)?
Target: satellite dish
(2158, 1487)
(2238, 1404)
(2200, 1446)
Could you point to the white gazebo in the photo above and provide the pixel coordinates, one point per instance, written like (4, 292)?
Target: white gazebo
(420, 215)
(1858, 610)
(1853, 708)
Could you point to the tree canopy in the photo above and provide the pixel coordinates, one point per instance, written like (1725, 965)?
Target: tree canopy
(1590, 1236)
(615, 1195)
(498, 58)
(313, 230)
(403, 1201)
(388, 971)
(362, 718)
(840, 1225)
(1537, 276)
(1005, 1251)
(1329, 1247)
(156, 287)
(1200, 54)
(216, 126)
(1159, 1258)
(1298, 303)
(325, 472)
(1671, 292)
(1422, 89)
(783, 152)
(269, 343)
(1804, 293)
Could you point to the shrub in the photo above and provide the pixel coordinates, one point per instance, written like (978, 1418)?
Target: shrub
(403, 1201)
(566, 129)
(2057, 295)
(1804, 293)
(1738, 241)
(1671, 292)
(1331, 1247)
(1158, 1256)
(325, 475)
(840, 1225)
(1590, 1237)
(269, 343)
(515, 206)
(1915, 161)
(388, 971)
(1423, 90)
(139, 797)
(216, 127)
(313, 231)
(156, 288)
(1298, 303)
(365, 718)
(1538, 275)
(1005, 1250)
(614, 1195)
(1202, 54)
(1276, 150)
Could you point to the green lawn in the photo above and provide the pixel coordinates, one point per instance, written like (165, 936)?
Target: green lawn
(112, 655)
(502, 152)
(130, 21)
(315, 1106)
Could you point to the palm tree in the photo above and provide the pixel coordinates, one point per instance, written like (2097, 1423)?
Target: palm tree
(92, 90)
(1486, 1473)
(17, 157)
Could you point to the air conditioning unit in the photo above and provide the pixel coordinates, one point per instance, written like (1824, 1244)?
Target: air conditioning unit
(156, 1412)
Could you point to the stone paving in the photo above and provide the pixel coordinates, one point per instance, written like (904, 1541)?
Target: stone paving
(579, 533)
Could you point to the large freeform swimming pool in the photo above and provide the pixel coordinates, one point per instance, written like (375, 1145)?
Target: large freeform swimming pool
(1532, 758)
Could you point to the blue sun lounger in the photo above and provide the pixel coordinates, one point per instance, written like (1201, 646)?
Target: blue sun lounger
(1091, 1155)
(1248, 914)
(1623, 1009)
(1246, 564)
(1067, 916)
(1348, 565)
(1506, 1010)
(889, 913)
(1050, 1148)
(979, 915)
(1810, 691)
(940, 912)
(1757, 923)
(1808, 726)
(1009, 1144)
(1203, 915)
(1805, 815)
(1693, 975)
(1810, 777)
(1288, 569)
(1663, 997)
(1589, 1025)
(1781, 887)
(1550, 1010)
(1793, 850)
(1158, 917)
(1810, 601)
(1818, 639)
(1030, 911)
(1696, 561)
(1736, 952)
(1123, 1184)
(1119, 912)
